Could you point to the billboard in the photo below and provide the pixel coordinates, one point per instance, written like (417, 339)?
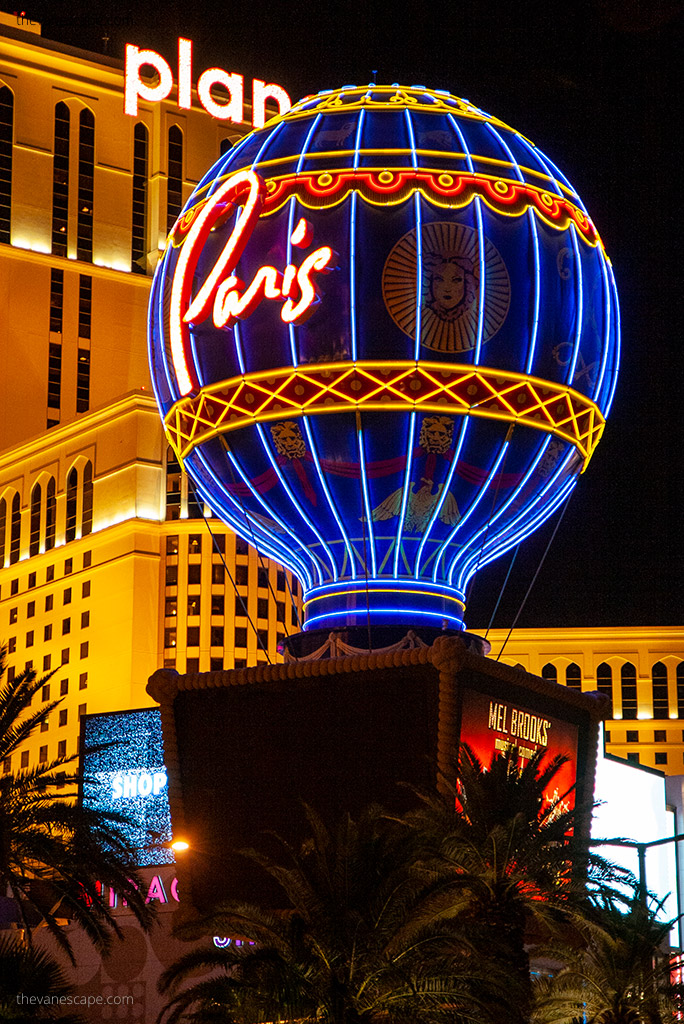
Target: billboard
(489, 726)
(122, 764)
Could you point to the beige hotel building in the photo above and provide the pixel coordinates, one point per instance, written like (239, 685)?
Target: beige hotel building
(108, 569)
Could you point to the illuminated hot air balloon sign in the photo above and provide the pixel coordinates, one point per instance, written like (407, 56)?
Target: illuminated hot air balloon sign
(384, 339)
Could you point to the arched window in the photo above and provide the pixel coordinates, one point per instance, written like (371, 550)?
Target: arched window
(173, 485)
(3, 531)
(15, 530)
(573, 676)
(604, 682)
(50, 514)
(680, 689)
(629, 690)
(86, 175)
(71, 504)
(60, 181)
(550, 672)
(661, 704)
(6, 140)
(87, 515)
(139, 246)
(36, 505)
(174, 194)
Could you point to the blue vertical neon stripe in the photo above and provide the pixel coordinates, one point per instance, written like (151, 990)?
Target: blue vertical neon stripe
(405, 493)
(329, 498)
(535, 251)
(537, 292)
(442, 497)
(483, 276)
(238, 346)
(480, 243)
(266, 541)
(295, 362)
(616, 364)
(527, 524)
(596, 394)
(407, 487)
(366, 503)
(486, 529)
(352, 243)
(271, 135)
(579, 292)
(464, 145)
(294, 356)
(163, 347)
(478, 498)
(295, 502)
(540, 519)
(272, 514)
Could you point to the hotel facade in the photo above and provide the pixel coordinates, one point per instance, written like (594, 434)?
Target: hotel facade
(109, 566)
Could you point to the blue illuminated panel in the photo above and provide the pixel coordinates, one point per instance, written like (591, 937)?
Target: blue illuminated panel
(122, 763)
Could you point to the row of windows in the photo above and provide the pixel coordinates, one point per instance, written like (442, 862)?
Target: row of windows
(43, 515)
(84, 651)
(628, 686)
(32, 582)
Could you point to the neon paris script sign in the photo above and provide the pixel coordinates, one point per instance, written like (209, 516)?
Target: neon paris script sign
(222, 294)
(231, 109)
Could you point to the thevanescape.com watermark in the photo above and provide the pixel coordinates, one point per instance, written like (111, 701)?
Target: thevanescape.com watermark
(76, 1000)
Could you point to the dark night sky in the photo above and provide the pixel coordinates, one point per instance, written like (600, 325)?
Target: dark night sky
(598, 86)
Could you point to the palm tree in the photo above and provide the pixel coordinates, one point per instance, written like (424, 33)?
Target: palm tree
(54, 853)
(500, 860)
(619, 974)
(31, 984)
(343, 949)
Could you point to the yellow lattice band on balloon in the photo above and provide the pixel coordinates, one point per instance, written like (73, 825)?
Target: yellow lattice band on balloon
(403, 386)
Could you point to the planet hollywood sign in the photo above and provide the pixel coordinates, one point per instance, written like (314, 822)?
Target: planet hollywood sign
(230, 108)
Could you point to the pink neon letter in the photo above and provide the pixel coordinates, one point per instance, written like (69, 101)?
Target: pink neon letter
(135, 87)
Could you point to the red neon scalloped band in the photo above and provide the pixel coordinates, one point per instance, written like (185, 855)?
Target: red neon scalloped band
(390, 186)
(400, 386)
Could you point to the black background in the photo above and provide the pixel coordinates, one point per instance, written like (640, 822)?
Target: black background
(598, 87)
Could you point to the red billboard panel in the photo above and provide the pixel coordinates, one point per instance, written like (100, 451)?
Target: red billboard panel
(489, 726)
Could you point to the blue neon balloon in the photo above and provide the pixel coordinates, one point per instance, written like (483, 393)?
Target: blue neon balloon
(419, 378)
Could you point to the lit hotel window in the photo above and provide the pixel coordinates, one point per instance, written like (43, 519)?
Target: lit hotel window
(661, 707)
(60, 182)
(34, 538)
(139, 225)
(629, 690)
(15, 530)
(86, 170)
(3, 529)
(6, 133)
(174, 196)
